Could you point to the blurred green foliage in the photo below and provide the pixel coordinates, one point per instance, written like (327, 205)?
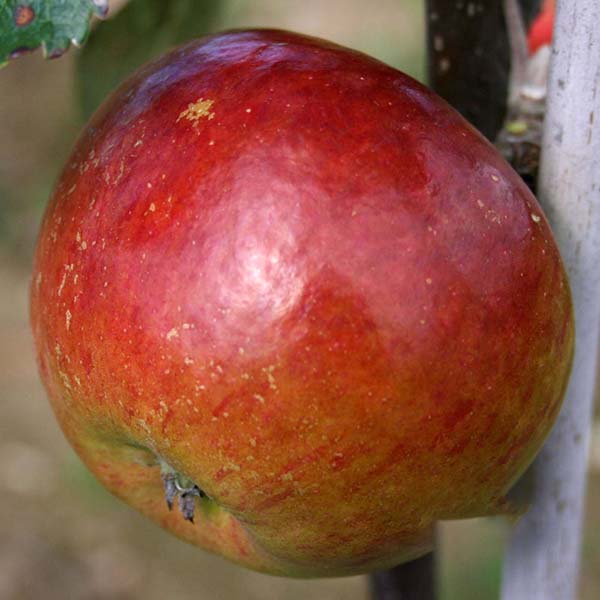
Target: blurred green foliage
(472, 551)
(77, 481)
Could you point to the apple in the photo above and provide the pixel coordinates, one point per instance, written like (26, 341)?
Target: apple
(288, 288)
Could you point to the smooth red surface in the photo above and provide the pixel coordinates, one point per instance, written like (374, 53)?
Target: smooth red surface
(305, 282)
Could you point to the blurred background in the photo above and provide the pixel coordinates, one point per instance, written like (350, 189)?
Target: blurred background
(61, 535)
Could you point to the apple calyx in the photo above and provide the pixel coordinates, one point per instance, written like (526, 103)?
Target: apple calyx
(176, 484)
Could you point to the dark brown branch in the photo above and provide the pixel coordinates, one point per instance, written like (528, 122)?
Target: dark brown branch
(468, 57)
(412, 581)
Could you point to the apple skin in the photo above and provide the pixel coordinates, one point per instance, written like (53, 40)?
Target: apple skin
(303, 281)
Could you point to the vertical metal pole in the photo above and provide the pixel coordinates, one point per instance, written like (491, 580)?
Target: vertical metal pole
(542, 560)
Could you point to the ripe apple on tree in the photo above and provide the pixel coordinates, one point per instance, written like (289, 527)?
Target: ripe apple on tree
(290, 287)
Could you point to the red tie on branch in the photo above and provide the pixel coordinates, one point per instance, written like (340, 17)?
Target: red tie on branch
(521, 136)
(540, 32)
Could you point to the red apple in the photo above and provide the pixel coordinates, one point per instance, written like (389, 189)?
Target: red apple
(293, 286)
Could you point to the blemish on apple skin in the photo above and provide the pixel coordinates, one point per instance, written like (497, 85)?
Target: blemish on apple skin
(536, 218)
(62, 284)
(492, 216)
(269, 373)
(120, 173)
(142, 423)
(65, 379)
(68, 317)
(82, 243)
(196, 111)
(23, 15)
(173, 333)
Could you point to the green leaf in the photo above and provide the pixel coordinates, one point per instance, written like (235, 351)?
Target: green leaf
(53, 24)
(143, 30)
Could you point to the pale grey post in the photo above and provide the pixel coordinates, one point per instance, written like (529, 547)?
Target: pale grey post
(542, 560)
